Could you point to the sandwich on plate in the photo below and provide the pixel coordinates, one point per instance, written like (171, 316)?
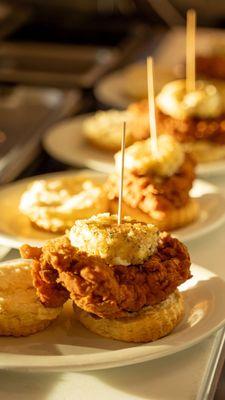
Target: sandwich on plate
(156, 187)
(123, 278)
(195, 118)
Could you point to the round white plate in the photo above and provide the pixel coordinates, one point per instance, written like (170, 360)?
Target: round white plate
(112, 91)
(109, 91)
(65, 141)
(16, 230)
(66, 345)
(214, 168)
(212, 211)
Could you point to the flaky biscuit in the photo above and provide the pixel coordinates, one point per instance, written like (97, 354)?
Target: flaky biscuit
(100, 145)
(130, 242)
(103, 129)
(169, 220)
(21, 313)
(54, 205)
(141, 160)
(150, 324)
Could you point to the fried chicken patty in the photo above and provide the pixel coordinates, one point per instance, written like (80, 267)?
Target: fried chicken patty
(150, 193)
(60, 271)
(193, 128)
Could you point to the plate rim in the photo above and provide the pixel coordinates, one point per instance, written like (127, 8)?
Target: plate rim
(93, 163)
(65, 363)
(115, 76)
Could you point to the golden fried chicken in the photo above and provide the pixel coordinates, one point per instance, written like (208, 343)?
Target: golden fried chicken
(211, 66)
(149, 193)
(61, 271)
(193, 128)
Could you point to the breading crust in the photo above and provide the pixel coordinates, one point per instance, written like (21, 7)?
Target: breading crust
(104, 290)
(192, 129)
(151, 194)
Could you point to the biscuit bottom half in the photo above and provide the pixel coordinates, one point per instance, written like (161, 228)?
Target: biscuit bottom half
(164, 220)
(21, 312)
(147, 325)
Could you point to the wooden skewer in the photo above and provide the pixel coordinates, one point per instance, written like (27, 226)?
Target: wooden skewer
(190, 50)
(151, 105)
(121, 174)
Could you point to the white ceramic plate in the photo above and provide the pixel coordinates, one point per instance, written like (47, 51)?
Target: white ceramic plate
(15, 228)
(212, 211)
(65, 141)
(215, 168)
(111, 89)
(171, 50)
(66, 345)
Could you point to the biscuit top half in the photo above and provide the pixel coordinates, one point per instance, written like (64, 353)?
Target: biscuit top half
(140, 159)
(206, 101)
(131, 242)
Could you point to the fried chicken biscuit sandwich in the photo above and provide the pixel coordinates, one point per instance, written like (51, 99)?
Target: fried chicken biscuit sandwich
(122, 278)
(196, 119)
(156, 186)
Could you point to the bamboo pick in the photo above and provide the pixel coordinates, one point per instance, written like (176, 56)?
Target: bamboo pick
(151, 105)
(190, 50)
(121, 174)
